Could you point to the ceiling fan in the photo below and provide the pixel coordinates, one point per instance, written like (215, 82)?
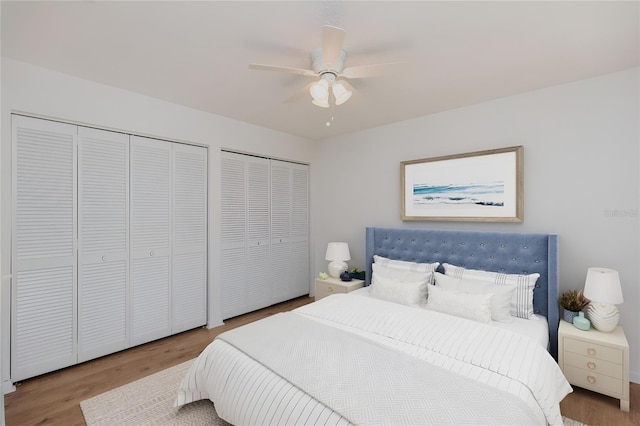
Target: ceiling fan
(327, 63)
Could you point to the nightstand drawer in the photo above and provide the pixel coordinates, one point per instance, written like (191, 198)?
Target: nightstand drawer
(593, 350)
(593, 365)
(325, 289)
(594, 381)
(331, 286)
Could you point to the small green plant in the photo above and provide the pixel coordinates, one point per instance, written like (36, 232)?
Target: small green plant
(355, 270)
(573, 300)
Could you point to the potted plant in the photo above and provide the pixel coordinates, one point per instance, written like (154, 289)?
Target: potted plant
(572, 302)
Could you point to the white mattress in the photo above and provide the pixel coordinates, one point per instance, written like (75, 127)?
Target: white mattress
(537, 329)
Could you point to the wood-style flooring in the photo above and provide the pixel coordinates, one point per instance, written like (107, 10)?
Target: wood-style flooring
(54, 398)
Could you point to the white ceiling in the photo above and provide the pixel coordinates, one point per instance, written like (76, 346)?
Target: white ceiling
(197, 53)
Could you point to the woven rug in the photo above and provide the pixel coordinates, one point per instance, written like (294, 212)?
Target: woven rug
(149, 401)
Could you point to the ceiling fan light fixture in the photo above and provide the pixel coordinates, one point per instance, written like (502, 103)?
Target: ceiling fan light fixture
(324, 103)
(341, 93)
(320, 91)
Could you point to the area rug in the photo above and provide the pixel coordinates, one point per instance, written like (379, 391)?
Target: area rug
(149, 401)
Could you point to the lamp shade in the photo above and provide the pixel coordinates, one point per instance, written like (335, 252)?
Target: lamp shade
(324, 103)
(340, 92)
(337, 254)
(603, 286)
(320, 90)
(338, 251)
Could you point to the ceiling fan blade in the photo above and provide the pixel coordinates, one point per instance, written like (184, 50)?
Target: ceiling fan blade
(373, 70)
(289, 70)
(347, 85)
(332, 39)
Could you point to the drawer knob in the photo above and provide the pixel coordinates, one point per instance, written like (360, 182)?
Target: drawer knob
(591, 379)
(591, 351)
(330, 289)
(591, 365)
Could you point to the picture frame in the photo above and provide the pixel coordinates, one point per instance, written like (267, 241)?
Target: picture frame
(481, 186)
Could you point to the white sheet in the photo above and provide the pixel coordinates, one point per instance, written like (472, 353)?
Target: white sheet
(207, 381)
(537, 329)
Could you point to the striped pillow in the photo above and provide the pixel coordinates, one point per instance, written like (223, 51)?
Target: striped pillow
(522, 300)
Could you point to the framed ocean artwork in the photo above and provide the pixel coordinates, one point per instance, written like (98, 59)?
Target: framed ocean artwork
(481, 186)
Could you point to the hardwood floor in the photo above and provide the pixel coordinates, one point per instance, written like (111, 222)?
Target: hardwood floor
(54, 398)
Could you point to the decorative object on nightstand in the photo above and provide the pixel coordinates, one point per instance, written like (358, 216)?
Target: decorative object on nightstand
(337, 254)
(356, 273)
(572, 302)
(595, 360)
(345, 276)
(602, 286)
(581, 322)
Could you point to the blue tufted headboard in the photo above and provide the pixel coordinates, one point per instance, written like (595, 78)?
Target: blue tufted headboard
(513, 253)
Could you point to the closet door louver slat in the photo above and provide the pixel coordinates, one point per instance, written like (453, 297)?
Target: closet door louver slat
(43, 325)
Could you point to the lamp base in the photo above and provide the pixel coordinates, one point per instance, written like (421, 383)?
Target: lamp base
(603, 316)
(337, 267)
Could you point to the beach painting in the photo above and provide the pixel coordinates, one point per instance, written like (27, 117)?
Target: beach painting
(477, 186)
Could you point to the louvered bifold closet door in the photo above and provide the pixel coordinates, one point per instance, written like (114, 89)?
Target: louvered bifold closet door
(103, 252)
(233, 234)
(259, 293)
(150, 239)
(299, 231)
(290, 229)
(43, 296)
(281, 276)
(189, 287)
(245, 234)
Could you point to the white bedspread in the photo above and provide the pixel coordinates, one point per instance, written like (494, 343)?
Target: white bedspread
(473, 373)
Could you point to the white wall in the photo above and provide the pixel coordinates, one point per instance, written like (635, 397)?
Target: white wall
(34, 90)
(581, 155)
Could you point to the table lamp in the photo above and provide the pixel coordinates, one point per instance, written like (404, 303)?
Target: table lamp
(337, 254)
(602, 287)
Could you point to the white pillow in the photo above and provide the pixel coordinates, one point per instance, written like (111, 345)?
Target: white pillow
(401, 274)
(522, 299)
(502, 294)
(407, 293)
(407, 266)
(475, 307)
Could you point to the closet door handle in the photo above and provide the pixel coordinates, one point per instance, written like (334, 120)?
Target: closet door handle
(152, 253)
(105, 258)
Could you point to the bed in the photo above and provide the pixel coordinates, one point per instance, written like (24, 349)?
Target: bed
(359, 358)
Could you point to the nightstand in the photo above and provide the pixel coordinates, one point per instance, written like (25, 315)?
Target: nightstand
(330, 285)
(595, 360)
